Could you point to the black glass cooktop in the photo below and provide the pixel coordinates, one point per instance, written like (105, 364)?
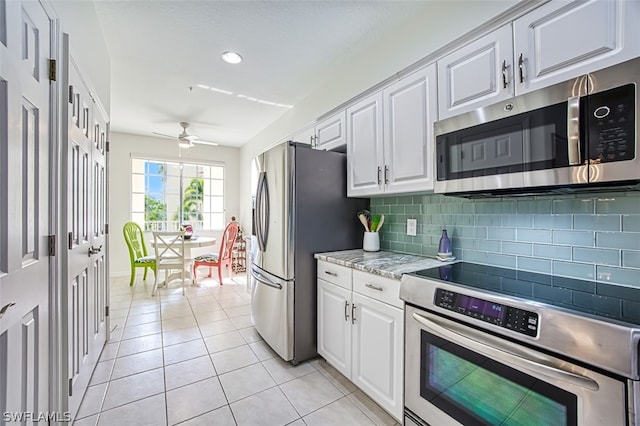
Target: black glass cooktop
(604, 300)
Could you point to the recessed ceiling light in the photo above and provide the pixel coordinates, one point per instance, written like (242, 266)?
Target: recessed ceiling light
(231, 57)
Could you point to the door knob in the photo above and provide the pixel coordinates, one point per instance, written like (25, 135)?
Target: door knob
(5, 308)
(93, 250)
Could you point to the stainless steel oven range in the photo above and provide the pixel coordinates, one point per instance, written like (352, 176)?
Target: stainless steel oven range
(495, 346)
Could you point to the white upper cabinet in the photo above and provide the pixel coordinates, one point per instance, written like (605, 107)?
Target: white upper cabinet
(557, 41)
(478, 74)
(331, 133)
(305, 135)
(562, 40)
(365, 162)
(390, 138)
(409, 112)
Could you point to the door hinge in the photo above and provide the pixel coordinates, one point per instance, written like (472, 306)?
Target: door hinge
(70, 240)
(70, 94)
(52, 70)
(107, 147)
(70, 387)
(106, 311)
(106, 229)
(51, 242)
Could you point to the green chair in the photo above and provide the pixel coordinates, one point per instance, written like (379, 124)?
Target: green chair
(137, 250)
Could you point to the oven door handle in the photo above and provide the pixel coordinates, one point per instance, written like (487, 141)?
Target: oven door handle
(494, 347)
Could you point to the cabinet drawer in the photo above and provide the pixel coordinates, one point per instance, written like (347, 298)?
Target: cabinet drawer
(380, 288)
(336, 274)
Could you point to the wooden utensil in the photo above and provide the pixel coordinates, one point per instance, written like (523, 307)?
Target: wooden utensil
(380, 223)
(363, 220)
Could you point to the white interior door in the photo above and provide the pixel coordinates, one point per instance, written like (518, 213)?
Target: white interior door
(25, 201)
(85, 278)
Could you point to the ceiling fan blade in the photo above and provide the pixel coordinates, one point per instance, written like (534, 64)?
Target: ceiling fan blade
(163, 135)
(201, 142)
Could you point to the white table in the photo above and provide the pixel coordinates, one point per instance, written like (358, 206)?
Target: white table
(193, 242)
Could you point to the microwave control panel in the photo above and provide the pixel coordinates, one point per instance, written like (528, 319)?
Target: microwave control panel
(519, 320)
(611, 120)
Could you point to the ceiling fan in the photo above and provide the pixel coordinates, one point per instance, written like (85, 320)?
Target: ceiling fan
(185, 140)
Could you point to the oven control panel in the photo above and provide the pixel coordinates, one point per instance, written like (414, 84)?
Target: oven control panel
(520, 320)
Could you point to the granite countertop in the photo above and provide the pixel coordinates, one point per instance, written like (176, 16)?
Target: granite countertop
(384, 263)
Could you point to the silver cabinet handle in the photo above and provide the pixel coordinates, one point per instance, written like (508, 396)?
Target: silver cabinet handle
(573, 130)
(504, 74)
(386, 174)
(373, 287)
(379, 170)
(521, 68)
(333, 274)
(353, 313)
(346, 310)
(494, 347)
(5, 308)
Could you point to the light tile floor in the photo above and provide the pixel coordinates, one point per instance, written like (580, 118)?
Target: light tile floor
(198, 360)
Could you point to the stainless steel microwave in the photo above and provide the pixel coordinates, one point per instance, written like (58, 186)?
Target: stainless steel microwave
(579, 134)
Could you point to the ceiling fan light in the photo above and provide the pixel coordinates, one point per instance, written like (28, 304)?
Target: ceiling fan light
(231, 57)
(185, 143)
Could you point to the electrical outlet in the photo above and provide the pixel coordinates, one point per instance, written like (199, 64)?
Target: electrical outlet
(412, 226)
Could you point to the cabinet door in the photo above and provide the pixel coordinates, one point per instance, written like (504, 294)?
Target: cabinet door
(304, 135)
(562, 40)
(378, 343)
(334, 326)
(364, 147)
(409, 112)
(476, 75)
(331, 133)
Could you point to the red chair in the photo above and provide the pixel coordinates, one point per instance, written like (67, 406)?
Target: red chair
(223, 258)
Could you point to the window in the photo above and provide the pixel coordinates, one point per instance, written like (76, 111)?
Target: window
(165, 195)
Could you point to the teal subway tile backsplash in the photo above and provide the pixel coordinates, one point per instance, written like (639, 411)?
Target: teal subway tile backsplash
(524, 249)
(631, 223)
(616, 204)
(534, 265)
(504, 234)
(631, 258)
(593, 237)
(585, 271)
(518, 221)
(618, 275)
(600, 256)
(552, 252)
(556, 221)
(570, 205)
(574, 238)
(533, 235)
(597, 222)
(619, 240)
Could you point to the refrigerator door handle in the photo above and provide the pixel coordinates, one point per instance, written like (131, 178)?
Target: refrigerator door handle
(265, 229)
(259, 194)
(264, 280)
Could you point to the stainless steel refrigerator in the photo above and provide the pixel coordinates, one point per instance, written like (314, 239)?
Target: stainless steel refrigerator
(301, 208)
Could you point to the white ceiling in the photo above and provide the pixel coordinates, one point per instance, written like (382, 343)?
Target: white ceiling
(161, 48)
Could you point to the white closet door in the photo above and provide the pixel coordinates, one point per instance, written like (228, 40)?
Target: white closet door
(25, 203)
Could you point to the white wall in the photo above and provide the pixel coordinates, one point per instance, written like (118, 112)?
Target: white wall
(442, 23)
(121, 149)
(87, 45)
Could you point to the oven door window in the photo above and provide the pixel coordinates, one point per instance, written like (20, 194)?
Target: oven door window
(476, 390)
(529, 141)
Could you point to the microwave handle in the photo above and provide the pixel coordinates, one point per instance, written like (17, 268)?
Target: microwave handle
(493, 347)
(573, 130)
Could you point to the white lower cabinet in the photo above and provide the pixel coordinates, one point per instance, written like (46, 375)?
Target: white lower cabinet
(361, 333)
(377, 358)
(334, 326)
